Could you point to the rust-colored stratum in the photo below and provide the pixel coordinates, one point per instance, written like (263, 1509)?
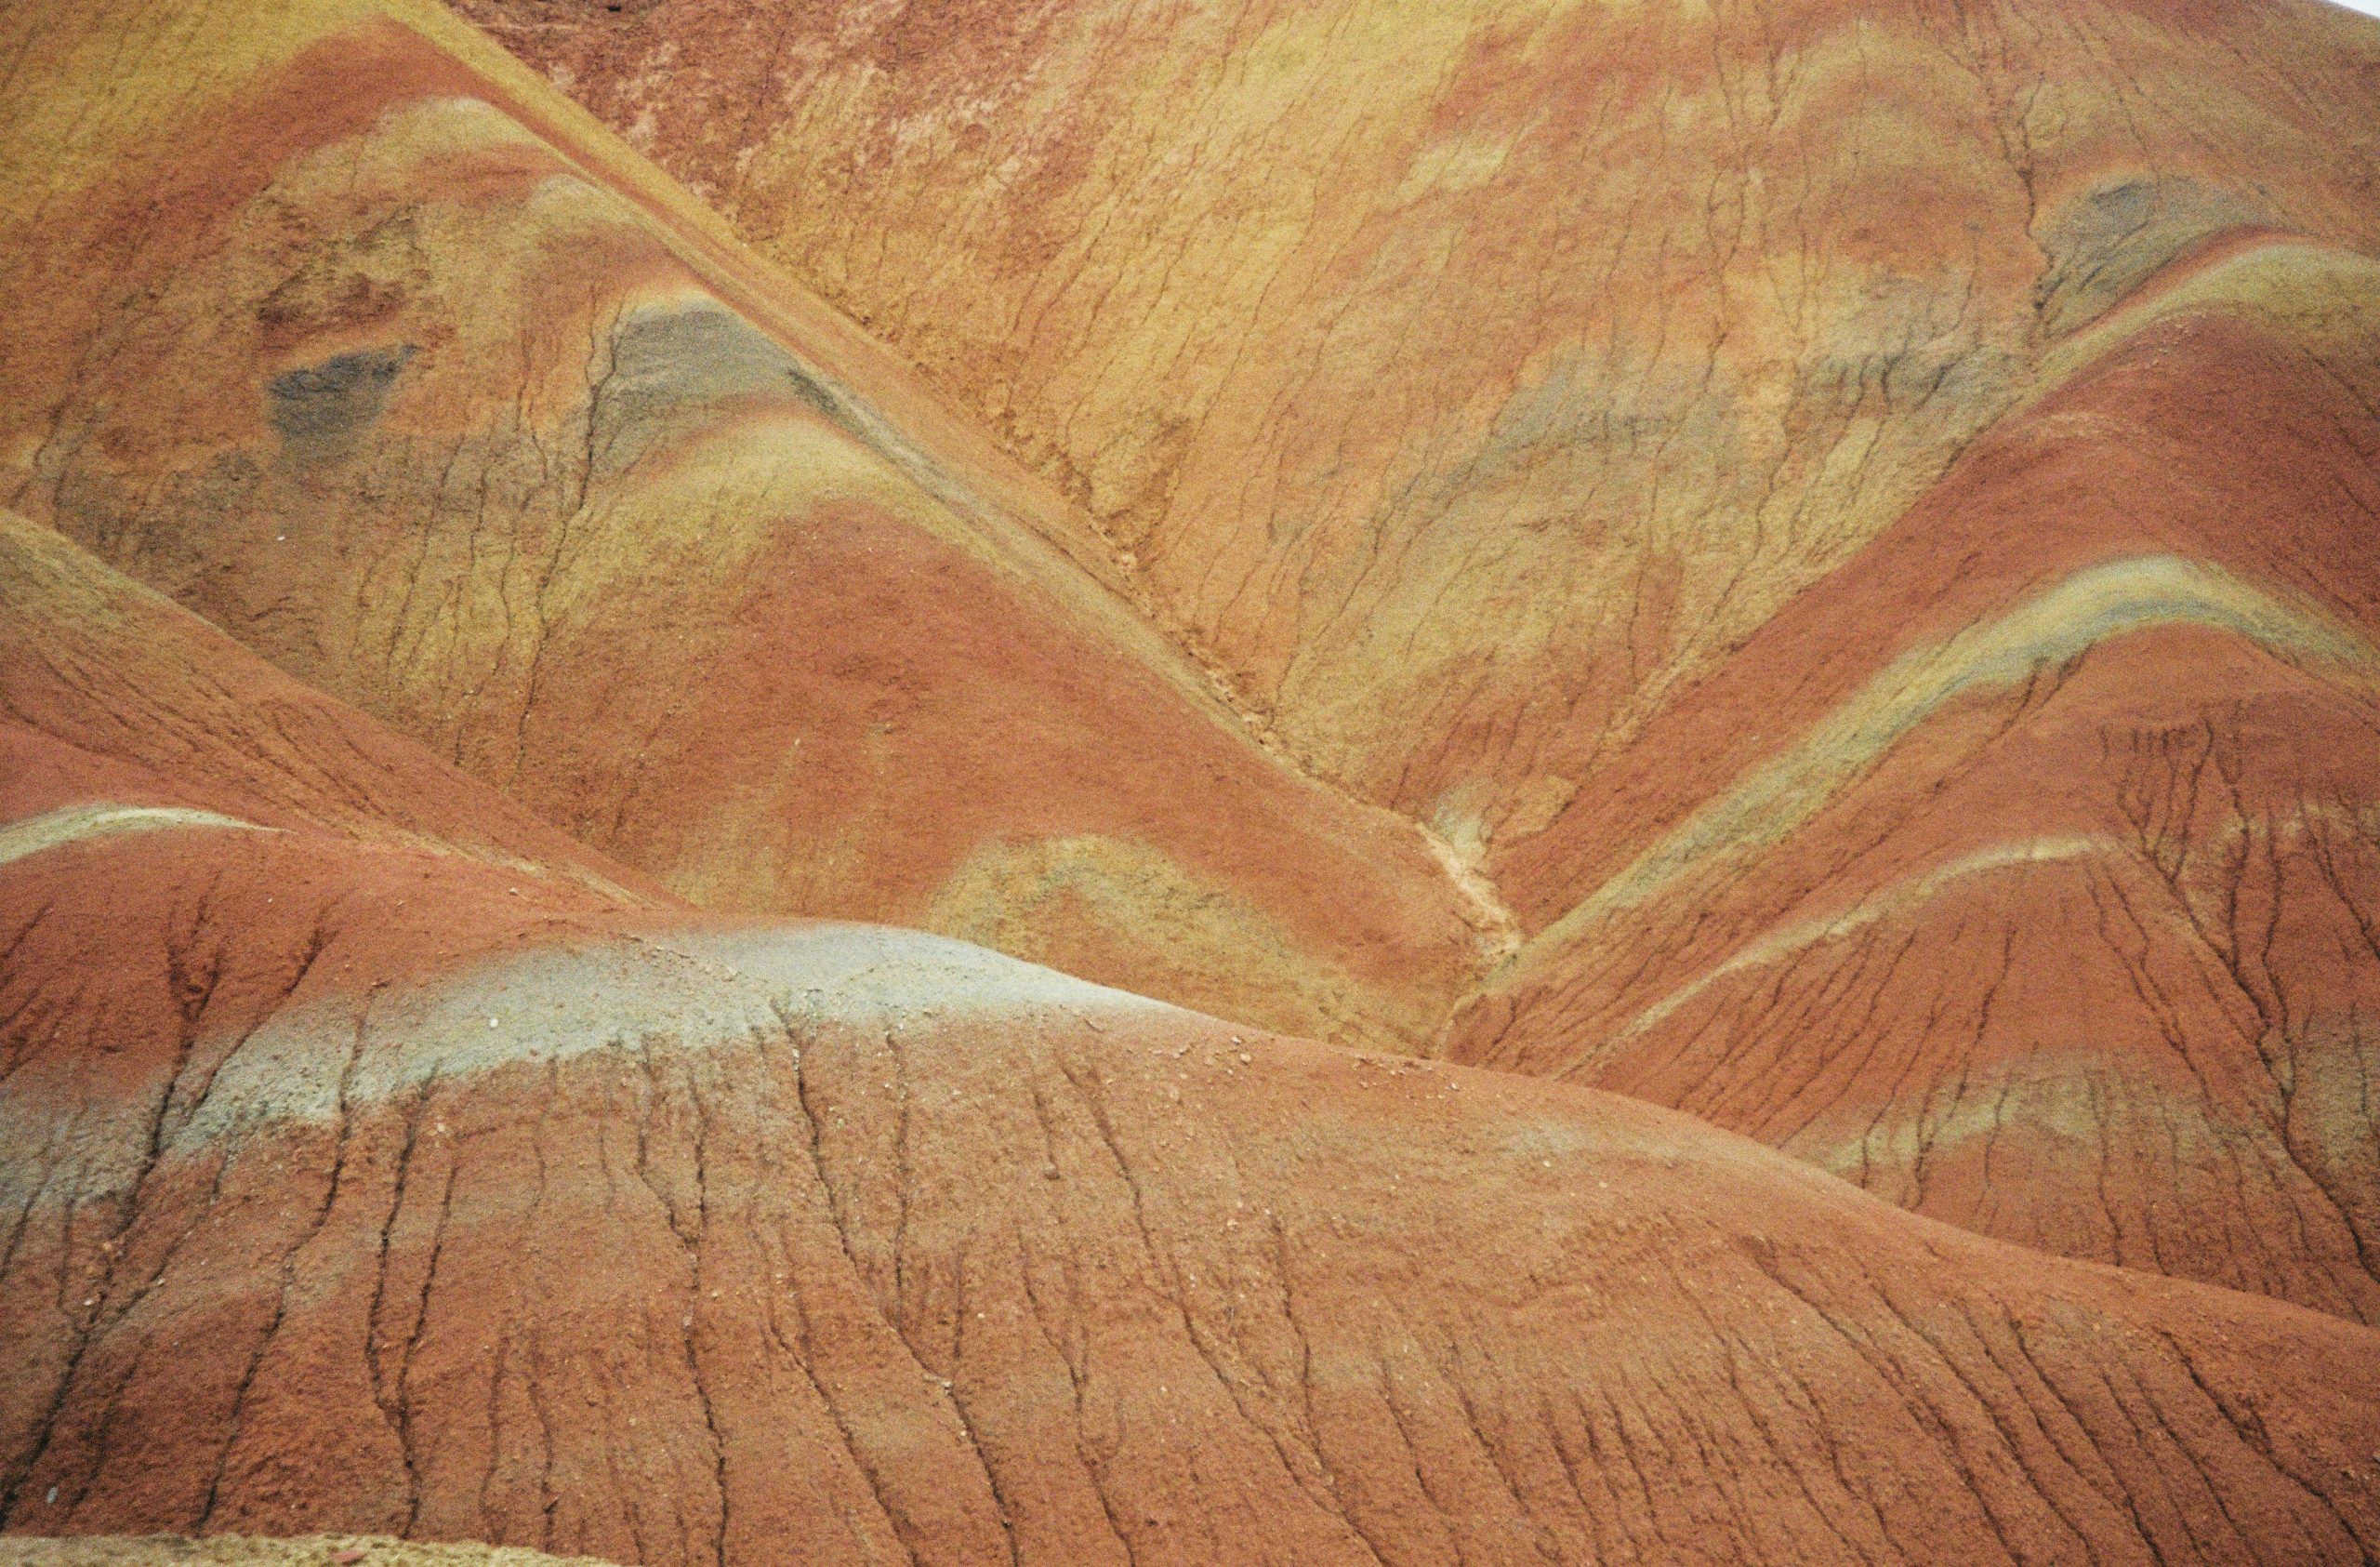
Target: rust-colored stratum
(1157, 785)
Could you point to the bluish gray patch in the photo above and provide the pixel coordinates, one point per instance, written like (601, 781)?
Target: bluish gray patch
(672, 364)
(2105, 243)
(341, 395)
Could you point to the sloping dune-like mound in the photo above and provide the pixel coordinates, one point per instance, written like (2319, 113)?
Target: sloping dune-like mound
(357, 340)
(365, 1186)
(231, 1550)
(1468, 378)
(2053, 916)
(1853, 524)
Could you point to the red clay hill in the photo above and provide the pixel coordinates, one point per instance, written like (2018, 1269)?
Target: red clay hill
(360, 1180)
(363, 344)
(1583, 628)
(1855, 524)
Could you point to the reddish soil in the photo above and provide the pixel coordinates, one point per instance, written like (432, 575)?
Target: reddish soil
(1616, 524)
(436, 401)
(2086, 957)
(1792, 587)
(1467, 381)
(350, 1191)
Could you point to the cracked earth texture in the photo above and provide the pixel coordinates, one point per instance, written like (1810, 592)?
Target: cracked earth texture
(1851, 524)
(1681, 609)
(356, 1182)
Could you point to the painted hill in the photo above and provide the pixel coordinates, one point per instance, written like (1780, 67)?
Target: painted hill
(1470, 381)
(1812, 566)
(1856, 522)
(2051, 911)
(348, 334)
(361, 1186)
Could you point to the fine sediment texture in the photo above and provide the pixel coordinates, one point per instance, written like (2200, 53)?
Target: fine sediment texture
(1851, 525)
(380, 357)
(1573, 631)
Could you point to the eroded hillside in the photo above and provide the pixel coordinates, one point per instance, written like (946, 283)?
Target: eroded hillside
(1811, 565)
(366, 1185)
(1855, 523)
(2054, 915)
(1471, 379)
(353, 338)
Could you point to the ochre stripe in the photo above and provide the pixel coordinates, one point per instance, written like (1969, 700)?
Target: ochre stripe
(2093, 605)
(73, 824)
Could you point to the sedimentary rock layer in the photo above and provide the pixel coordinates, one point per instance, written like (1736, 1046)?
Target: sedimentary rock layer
(357, 1184)
(338, 327)
(1850, 525)
(2028, 869)
(1853, 523)
(1469, 379)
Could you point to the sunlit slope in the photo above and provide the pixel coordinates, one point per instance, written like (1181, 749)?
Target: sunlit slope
(357, 1185)
(1467, 380)
(352, 335)
(2028, 869)
(127, 714)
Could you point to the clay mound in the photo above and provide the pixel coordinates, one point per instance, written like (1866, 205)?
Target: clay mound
(356, 1186)
(709, 1244)
(119, 711)
(379, 356)
(2027, 871)
(1470, 382)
